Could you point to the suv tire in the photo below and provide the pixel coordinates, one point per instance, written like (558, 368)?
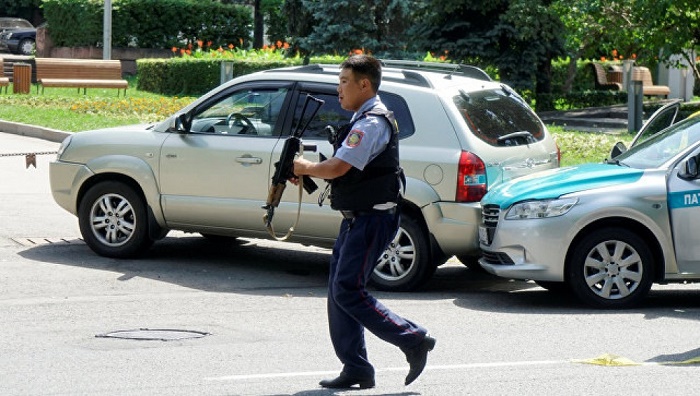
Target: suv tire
(406, 264)
(113, 220)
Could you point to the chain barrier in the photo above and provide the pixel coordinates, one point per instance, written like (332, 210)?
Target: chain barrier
(29, 158)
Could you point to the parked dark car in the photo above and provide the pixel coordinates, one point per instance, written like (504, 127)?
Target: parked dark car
(17, 35)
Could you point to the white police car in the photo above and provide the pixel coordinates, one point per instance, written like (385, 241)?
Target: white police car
(605, 231)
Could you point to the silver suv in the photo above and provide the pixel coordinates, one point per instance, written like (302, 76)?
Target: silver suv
(460, 133)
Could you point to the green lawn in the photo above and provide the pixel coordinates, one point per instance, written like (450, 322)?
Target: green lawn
(581, 147)
(66, 109)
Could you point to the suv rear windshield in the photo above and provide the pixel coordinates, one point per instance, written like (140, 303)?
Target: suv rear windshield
(499, 117)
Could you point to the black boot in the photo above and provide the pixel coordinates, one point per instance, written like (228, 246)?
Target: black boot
(417, 357)
(345, 381)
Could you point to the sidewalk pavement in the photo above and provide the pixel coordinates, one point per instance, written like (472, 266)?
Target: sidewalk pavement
(52, 135)
(24, 188)
(609, 119)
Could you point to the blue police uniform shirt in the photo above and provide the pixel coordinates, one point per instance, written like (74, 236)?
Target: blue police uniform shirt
(368, 137)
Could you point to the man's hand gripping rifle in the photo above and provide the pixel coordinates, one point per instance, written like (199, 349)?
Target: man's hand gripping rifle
(284, 169)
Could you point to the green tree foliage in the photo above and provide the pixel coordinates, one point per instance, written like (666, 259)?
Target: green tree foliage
(268, 20)
(519, 37)
(342, 26)
(647, 30)
(275, 20)
(27, 9)
(74, 23)
(148, 23)
(672, 27)
(300, 24)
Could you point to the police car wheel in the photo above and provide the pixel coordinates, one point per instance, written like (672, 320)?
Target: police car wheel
(113, 220)
(611, 268)
(406, 264)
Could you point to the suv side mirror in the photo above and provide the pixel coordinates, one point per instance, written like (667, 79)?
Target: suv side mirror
(689, 168)
(182, 123)
(617, 149)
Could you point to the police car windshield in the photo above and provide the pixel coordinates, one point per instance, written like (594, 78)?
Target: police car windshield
(663, 146)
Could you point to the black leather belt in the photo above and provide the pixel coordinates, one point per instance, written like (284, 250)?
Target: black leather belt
(351, 214)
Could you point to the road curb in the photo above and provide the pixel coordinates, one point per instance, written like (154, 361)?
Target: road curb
(49, 134)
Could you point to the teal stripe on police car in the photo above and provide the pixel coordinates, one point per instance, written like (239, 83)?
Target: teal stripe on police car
(683, 199)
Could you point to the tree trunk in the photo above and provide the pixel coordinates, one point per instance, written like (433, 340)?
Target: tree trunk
(543, 86)
(259, 25)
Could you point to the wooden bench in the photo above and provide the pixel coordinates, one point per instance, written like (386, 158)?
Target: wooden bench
(600, 78)
(4, 81)
(79, 73)
(641, 73)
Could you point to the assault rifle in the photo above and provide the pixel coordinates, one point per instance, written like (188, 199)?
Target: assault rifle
(284, 169)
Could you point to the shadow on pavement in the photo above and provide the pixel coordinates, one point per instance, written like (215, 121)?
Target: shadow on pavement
(251, 266)
(260, 267)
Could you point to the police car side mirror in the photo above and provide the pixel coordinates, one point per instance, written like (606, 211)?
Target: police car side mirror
(689, 168)
(617, 149)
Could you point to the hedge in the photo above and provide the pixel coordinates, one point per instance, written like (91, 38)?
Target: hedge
(148, 23)
(194, 77)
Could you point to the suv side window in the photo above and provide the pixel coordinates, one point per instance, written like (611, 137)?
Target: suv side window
(331, 114)
(246, 111)
(396, 104)
(499, 117)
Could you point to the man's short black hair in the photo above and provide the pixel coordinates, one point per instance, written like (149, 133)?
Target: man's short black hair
(365, 66)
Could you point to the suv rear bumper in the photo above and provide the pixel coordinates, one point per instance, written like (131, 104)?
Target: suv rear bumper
(454, 226)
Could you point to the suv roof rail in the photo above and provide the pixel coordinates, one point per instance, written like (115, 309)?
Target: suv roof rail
(448, 68)
(311, 68)
(409, 76)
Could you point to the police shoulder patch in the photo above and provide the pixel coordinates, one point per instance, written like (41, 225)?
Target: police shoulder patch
(354, 138)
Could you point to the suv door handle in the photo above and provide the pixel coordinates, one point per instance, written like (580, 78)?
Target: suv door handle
(248, 159)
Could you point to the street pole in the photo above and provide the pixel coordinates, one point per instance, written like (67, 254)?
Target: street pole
(107, 31)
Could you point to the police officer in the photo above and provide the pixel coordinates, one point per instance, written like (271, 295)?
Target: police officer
(365, 185)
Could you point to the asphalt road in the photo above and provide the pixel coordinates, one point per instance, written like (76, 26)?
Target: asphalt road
(249, 319)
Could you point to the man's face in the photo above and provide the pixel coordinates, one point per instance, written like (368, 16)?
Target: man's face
(352, 91)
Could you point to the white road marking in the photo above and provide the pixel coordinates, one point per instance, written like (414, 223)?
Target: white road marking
(243, 377)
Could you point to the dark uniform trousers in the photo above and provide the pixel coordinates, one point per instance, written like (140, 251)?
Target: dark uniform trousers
(351, 309)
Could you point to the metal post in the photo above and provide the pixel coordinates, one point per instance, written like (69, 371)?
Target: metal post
(638, 102)
(629, 85)
(635, 98)
(226, 72)
(627, 67)
(107, 31)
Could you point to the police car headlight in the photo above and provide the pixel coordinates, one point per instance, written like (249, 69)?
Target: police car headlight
(540, 209)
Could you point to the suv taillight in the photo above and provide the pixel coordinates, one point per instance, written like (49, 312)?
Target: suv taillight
(471, 178)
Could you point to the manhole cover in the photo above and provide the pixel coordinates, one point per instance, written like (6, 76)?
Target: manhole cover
(154, 334)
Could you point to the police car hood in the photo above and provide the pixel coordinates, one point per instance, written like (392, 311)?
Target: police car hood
(557, 182)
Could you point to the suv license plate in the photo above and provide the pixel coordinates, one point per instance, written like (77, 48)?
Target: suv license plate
(484, 235)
